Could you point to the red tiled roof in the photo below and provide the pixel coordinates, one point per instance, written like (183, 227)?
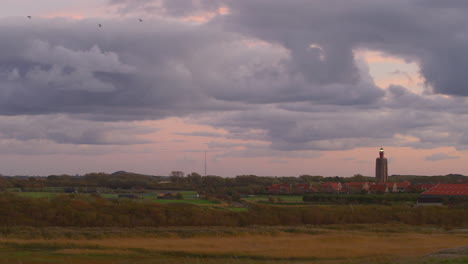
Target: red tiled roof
(355, 184)
(423, 187)
(448, 189)
(378, 187)
(326, 184)
(333, 185)
(388, 184)
(278, 187)
(344, 189)
(403, 184)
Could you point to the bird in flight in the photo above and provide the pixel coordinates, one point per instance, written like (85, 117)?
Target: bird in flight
(29, 17)
(99, 25)
(141, 20)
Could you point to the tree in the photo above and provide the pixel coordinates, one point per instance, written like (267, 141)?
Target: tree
(194, 178)
(177, 176)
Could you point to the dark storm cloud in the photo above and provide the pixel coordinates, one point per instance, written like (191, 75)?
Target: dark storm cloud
(433, 33)
(321, 35)
(132, 71)
(277, 71)
(122, 70)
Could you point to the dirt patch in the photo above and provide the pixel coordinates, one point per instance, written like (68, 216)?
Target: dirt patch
(451, 252)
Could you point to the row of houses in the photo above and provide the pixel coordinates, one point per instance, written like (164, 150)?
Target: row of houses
(348, 188)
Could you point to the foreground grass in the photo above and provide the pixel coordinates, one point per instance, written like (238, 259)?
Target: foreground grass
(283, 245)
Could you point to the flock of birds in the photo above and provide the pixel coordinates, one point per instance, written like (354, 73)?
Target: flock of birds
(99, 25)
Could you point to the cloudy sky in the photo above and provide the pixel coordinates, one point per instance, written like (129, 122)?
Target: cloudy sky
(265, 87)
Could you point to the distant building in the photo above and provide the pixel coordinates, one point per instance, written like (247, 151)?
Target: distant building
(379, 188)
(392, 186)
(441, 193)
(421, 187)
(381, 167)
(447, 190)
(278, 188)
(355, 187)
(404, 186)
(331, 187)
(167, 196)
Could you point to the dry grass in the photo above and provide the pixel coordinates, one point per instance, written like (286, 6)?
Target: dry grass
(79, 251)
(339, 244)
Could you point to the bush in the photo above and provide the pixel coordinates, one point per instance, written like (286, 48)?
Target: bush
(87, 211)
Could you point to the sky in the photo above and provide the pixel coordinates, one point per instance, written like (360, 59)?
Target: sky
(265, 87)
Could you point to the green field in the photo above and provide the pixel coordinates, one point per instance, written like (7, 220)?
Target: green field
(37, 194)
(189, 197)
(187, 201)
(280, 198)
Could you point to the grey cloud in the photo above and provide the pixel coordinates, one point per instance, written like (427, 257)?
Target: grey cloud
(125, 6)
(254, 150)
(201, 134)
(186, 7)
(168, 7)
(120, 71)
(283, 72)
(441, 156)
(150, 72)
(279, 161)
(41, 147)
(64, 130)
(342, 129)
(398, 28)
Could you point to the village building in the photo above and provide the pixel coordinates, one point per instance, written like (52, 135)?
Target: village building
(379, 188)
(441, 193)
(331, 187)
(167, 196)
(404, 186)
(421, 187)
(447, 190)
(278, 189)
(355, 187)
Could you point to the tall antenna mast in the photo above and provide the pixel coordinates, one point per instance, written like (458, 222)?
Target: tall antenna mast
(205, 162)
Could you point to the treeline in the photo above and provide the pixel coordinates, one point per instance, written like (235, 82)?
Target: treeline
(416, 179)
(244, 184)
(94, 211)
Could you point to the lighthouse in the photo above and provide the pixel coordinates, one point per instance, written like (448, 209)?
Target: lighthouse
(381, 168)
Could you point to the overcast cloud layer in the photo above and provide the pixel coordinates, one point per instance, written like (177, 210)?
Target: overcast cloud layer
(282, 72)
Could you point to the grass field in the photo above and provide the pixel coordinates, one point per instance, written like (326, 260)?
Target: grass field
(320, 246)
(287, 199)
(189, 197)
(37, 194)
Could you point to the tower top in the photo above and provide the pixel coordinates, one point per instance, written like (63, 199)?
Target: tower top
(381, 152)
